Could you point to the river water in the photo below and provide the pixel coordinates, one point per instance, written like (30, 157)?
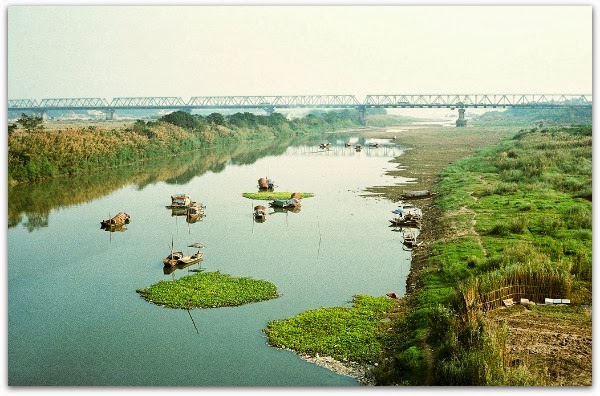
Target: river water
(74, 317)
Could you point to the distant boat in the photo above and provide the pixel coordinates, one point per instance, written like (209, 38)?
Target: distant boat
(194, 211)
(172, 259)
(119, 220)
(358, 147)
(180, 201)
(265, 184)
(260, 213)
(193, 259)
(285, 203)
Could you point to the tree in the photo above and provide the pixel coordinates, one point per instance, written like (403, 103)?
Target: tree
(31, 122)
(182, 119)
(216, 118)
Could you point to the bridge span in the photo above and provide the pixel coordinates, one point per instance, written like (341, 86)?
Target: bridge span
(271, 103)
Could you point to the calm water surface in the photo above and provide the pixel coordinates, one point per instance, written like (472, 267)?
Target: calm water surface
(75, 317)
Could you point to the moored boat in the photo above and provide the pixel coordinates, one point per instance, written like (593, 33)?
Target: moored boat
(260, 213)
(409, 238)
(265, 184)
(417, 194)
(285, 203)
(180, 201)
(119, 220)
(194, 211)
(188, 260)
(172, 259)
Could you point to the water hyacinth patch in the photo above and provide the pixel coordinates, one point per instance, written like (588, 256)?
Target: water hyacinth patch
(345, 333)
(209, 290)
(272, 195)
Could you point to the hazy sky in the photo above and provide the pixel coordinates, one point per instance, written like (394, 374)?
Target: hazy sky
(113, 51)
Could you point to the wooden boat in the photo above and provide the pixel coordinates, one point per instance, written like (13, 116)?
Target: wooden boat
(265, 184)
(409, 238)
(358, 147)
(194, 211)
(406, 219)
(260, 213)
(188, 260)
(373, 145)
(324, 146)
(401, 222)
(180, 201)
(285, 203)
(119, 220)
(173, 258)
(348, 144)
(417, 194)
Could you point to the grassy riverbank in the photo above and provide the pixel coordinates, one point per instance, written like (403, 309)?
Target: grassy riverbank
(45, 152)
(516, 212)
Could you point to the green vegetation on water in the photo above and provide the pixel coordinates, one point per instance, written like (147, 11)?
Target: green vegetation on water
(346, 333)
(271, 195)
(208, 290)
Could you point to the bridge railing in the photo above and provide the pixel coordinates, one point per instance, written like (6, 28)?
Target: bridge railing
(274, 101)
(310, 101)
(171, 101)
(478, 100)
(22, 103)
(73, 103)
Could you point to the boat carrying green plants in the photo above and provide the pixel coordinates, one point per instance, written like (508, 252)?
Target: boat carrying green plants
(209, 290)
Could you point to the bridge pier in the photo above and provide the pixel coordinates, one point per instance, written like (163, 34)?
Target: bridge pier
(269, 109)
(362, 110)
(461, 121)
(110, 114)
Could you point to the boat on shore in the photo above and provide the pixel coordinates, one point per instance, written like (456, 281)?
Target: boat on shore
(417, 194)
(409, 238)
(406, 219)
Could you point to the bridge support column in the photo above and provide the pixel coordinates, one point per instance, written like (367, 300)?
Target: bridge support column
(362, 110)
(110, 114)
(461, 121)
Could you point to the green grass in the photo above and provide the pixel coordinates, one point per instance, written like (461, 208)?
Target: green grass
(272, 195)
(530, 199)
(345, 333)
(208, 290)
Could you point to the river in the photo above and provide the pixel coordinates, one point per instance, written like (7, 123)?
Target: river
(74, 317)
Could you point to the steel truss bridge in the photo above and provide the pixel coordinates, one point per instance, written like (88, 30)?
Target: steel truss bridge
(271, 103)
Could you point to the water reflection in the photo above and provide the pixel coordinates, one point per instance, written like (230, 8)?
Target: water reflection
(31, 204)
